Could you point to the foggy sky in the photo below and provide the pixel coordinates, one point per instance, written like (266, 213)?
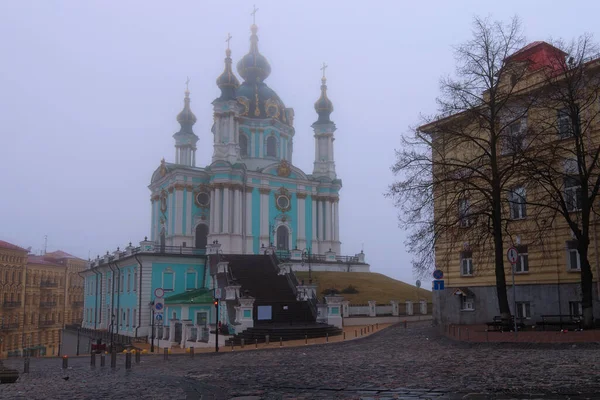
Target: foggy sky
(89, 91)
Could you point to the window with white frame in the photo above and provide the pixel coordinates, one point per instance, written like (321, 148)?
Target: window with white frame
(464, 212)
(168, 280)
(573, 261)
(523, 309)
(522, 264)
(514, 137)
(467, 303)
(466, 263)
(271, 146)
(573, 193)
(134, 317)
(243, 142)
(565, 123)
(575, 309)
(129, 281)
(518, 203)
(190, 280)
(127, 320)
(135, 278)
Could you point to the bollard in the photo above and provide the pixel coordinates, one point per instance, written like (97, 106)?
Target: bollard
(344, 335)
(166, 354)
(26, 365)
(242, 342)
(232, 345)
(266, 340)
(93, 359)
(65, 362)
(280, 342)
(355, 333)
(361, 331)
(467, 334)
(405, 324)
(128, 360)
(113, 358)
(459, 333)
(306, 339)
(327, 338)
(138, 356)
(192, 351)
(103, 359)
(256, 343)
(377, 326)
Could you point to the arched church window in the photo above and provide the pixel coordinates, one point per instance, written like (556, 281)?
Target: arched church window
(282, 238)
(243, 145)
(201, 236)
(271, 146)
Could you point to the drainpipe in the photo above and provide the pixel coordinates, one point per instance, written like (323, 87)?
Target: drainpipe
(139, 296)
(244, 211)
(96, 302)
(112, 298)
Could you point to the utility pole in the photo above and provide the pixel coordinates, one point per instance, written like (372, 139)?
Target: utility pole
(217, 325)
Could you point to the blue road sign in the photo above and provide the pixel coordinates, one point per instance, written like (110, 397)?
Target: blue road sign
(438, 274)
(438, 285)
(159, 306)
(158, 317)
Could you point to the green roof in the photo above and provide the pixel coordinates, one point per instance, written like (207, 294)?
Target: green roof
(196, 296)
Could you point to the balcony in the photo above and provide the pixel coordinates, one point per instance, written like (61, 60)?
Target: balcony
(9, 327)
(48, 284)
(47, 304)
(11, 304)
(77, 304)
(46, 324)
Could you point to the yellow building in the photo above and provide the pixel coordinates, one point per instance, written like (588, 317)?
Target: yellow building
(547, 273)
(40, 294)
(12, 273)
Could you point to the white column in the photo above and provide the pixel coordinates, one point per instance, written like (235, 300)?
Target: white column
(301, 218)
(249, 211)
(188, 212)
(327, 220)
(336, 221)
(218, 211)
(237, 210)
(314, 219)
(320, 218)
(178, 212)
(260, 144)
(226, 210)
(264, 217)
(211, 222)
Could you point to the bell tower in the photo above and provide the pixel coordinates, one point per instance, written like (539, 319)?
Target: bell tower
(324, 128)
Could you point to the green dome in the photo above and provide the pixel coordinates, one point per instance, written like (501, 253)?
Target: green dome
(227, 81)
(254, 67)
(323, 106)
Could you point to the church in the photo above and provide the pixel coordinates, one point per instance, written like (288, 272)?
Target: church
(251, 195)
(233, 231)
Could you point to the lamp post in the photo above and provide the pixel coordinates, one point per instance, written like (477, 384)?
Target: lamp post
(112, 328)
(152, 345)
(78, 332)
(216, 325)
(306, 256)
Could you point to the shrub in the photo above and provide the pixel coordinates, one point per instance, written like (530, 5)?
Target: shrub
(330, 291)
(350, 290)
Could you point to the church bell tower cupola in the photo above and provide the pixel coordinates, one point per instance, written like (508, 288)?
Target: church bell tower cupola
(324, 128)
(186, 139)
(226, 114)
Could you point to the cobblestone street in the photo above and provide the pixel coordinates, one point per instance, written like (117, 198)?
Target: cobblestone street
(395, 363)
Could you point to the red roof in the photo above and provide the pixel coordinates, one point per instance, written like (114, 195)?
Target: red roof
(41, 260)
(58, 254)
(10, 246)
(539, 54)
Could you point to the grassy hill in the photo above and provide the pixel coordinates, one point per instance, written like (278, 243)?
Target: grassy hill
(370, 286)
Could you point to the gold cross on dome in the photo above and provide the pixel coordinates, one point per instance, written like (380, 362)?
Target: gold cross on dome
(323, 68)
(187, 83)
(228, 39)
(253, 13)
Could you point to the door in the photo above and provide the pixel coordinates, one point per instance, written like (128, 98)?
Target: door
(201, 236)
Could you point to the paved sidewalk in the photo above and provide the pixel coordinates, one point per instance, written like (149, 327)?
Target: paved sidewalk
(394, 363)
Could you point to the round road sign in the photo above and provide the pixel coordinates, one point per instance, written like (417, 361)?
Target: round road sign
(158, 307)
(438, 274)
(159, 292)
(418, 283)
(159, 317)
(512, 255)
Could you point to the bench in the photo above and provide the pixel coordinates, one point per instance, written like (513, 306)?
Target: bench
(499, 325)
(562, 321)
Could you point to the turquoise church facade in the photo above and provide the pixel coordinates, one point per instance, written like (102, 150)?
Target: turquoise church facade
(249, 198)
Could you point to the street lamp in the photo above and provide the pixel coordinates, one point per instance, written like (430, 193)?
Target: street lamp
(217, 325)
(112, 328)
(78, 332)
(306, 257)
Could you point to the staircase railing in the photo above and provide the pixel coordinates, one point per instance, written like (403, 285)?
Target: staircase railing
(293, 282)
(312, 303)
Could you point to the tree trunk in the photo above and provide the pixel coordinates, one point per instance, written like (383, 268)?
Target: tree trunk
(587, 285)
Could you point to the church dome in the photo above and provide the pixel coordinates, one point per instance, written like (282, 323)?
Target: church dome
(227, 81)
(323, 106)
(254, 67)
(186, 117)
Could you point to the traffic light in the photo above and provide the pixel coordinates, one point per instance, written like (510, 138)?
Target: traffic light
(216, 303)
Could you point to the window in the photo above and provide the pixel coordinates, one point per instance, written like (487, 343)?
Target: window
(515, 137)
(129, 281)
(573, 262)
(243, 145)
(517, 201)
(466, 263)
(135, 280)
(190, 280)
(522, 264)
(566, 127)
(127, 320)
(271, 146)
(134, 317)
(168, 280)
(463, 212)
(467, 303)
(573, 193)
(575, 309)
(523, 310)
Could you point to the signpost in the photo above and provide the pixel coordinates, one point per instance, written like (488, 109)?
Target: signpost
(512, 254)
(438, 283)
(157, 311)
(438, 274)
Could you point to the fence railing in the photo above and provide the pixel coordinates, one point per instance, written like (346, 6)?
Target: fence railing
(12, 304)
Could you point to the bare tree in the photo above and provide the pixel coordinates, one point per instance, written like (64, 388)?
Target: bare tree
(565, 161)
(456, 171)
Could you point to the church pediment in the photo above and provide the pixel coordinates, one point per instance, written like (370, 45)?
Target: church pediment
(284, 169)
